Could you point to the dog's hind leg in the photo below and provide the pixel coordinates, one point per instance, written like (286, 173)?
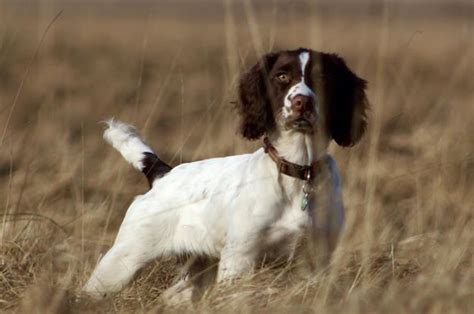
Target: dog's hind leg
(203, 275)
(199, 274)
(145, 234)
(114, 271)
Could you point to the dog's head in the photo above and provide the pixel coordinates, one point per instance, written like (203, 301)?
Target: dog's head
(303, 91)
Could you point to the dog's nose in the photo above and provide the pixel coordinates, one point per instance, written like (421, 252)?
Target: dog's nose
(300, 104)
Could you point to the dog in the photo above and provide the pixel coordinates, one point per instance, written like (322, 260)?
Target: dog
(239, 209)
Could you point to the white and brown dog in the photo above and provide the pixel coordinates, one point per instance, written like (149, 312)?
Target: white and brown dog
(239, 209)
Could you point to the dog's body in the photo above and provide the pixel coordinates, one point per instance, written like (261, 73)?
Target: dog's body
(239, 209)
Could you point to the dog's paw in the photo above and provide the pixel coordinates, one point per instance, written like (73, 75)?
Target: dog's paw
(178, 295)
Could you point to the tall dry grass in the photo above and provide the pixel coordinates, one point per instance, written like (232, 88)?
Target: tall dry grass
(171, 69)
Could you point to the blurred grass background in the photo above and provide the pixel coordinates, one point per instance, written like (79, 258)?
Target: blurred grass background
(170, 68)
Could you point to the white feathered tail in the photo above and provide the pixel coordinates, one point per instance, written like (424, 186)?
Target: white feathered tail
(125, 138)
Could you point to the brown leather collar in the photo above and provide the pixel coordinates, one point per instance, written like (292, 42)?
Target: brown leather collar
(306, 173)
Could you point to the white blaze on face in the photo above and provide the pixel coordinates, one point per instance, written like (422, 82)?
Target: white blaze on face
(299, 88)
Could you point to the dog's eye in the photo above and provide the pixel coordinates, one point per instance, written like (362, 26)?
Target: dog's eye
(283, 77)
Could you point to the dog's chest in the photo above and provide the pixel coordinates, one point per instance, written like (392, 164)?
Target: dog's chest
(295, 214)
(292, 222)
(296, 218)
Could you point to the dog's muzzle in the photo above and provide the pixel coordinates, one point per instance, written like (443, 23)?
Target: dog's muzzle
(303, 113)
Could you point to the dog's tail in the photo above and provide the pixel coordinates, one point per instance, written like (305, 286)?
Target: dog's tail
(124, 138)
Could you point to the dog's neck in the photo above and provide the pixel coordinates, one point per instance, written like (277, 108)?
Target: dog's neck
(297, 147)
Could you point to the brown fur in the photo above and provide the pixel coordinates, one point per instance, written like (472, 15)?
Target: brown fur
(346, 115)
(254, 105)
(340, 92)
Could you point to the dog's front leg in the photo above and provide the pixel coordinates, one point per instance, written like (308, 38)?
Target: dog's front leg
(328, 217)
(237, 259)
(334, 206)
(249, 220)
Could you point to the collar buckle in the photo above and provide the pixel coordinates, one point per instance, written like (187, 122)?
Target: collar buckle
(305, 173)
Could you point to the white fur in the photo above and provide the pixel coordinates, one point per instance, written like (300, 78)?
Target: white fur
(126, 140)
(299, 88)
(235, 209)
(304, 58)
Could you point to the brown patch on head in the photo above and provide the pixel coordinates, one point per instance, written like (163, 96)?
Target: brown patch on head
(254, 104)
(328, 87)
(262, 90)
(344, 100)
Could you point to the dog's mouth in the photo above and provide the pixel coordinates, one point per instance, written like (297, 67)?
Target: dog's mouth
(301, 125)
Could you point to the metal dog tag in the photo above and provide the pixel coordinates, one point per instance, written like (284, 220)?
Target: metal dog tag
(307, 195)
(305, 202)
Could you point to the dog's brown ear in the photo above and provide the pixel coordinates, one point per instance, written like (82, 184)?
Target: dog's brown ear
(254, 106)
(345, 100)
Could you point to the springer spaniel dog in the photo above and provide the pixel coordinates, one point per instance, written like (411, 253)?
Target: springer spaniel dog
(239, 209)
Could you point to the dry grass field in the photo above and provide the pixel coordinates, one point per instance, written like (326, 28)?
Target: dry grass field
(171, 69)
